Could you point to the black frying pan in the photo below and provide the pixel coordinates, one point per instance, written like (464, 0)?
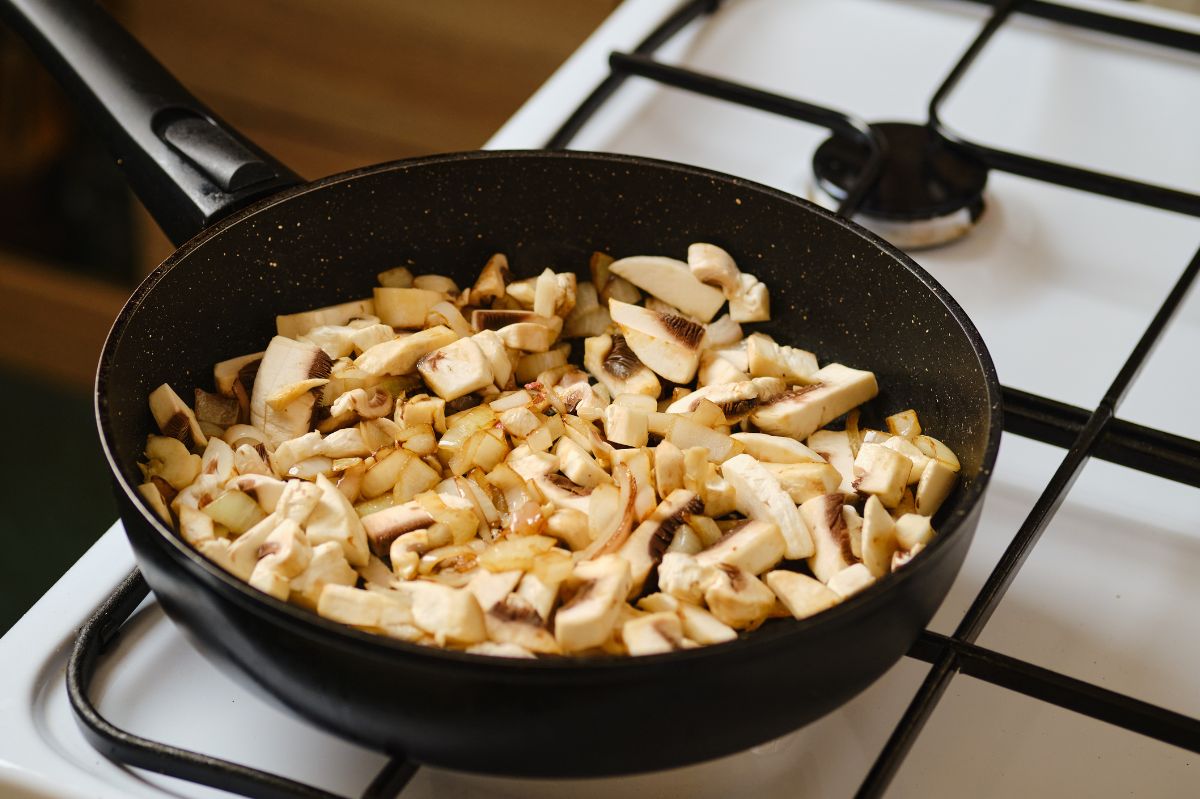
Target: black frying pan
(255, 241)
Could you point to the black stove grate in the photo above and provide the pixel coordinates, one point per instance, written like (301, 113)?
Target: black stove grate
(1082, 433)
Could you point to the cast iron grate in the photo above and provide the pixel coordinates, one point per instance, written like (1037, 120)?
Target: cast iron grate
(1082, 433)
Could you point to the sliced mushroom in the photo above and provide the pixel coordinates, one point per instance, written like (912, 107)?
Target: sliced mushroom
(831, 535)
(668, 467)
(284, 363)
(938, 451)
(626, 425)
(399, 356)
(168, 458)
(878, 538)
(513, 620)
(834, 447)
(751, 302)
(752, 546)
(363, 608)
(800, 412)
(240, 369)
(684, 577)
(776, 449)
(285, 554)
(800, 594)
(670, 281)
(654, 634)
(327, 566)
(935, 484)
(736, 400)
(563, 493)
(295, 325)
(450, 615)
(334, 519)
(738, 598)
(803, 481)
(594, 592)
(882, 472)
(909, 450)
(715, 370)
(614, 364)
(646, 545)
(713, 266)
(577, 464)
(154, 499)
(669, 345)
(851, 580)
(698, 624)
(529, 336)
(767, 358)
(760, 496)
(405, 307)
(913, 530)
(456, 369)
(175, 419)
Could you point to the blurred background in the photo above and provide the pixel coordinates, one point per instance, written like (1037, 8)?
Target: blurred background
(323, 86)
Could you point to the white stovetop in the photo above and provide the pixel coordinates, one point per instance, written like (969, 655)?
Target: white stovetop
(1060, 284)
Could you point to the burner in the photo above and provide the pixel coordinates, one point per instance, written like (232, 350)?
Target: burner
(928, 194)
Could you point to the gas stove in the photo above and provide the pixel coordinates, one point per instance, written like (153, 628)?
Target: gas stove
(1060, 664)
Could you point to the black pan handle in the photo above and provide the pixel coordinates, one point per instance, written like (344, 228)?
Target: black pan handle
(188, 166)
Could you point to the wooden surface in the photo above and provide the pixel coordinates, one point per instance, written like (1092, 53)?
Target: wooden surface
(323, 86)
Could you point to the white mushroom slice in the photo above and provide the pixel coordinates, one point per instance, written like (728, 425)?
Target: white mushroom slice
(531, 365)
(834, 447)
(570, 526)
(935, 484)
(766, 358)
(800, 594)
(670, 281)
(626, 425)
(668, 345)
(668, 467)
(513, 620)
(713, 266)
(752, 546)
(541, 594)
(759, 496)
(294, 450)
(548, 294)
(576, 463)
(735, 400)
(284, 554)
(722, 332)
(297, 501)
(647, 544)
(686, 540)
(489, 286)
(169, 459)
(882, 472)
(589, 322)
(175, 419)
(909, 450)
(798, 413)
(562, 492)
(362, 608)
(491, 587)
(698, 624)
(195, 526)
(364, 338)
(715, 370)
(904, 424)
(295, 325)
(456, 369)
(938, 451)
(499, 318)
(686, 434)
(738, 598)
(334, 339)
(528, 337)
(202, 491)
(439, 283)
(653, 634)
(243, 552)
(363, 403)
(444, 313)
(878, 538)
(850, 581)
(913, 530)
(803, 481)
(751, 303)
(334, 519)
(247, 459)
(595, 592)
(240, 369)
(398, 277)
(831, 535)
(638, 462)
(345, 443)
(614, 364)
(327, 566)
(405, 307)
(399, 356)
(685, 578)
(450, 615)
(217, 460)
(776, 449)
(284, 363)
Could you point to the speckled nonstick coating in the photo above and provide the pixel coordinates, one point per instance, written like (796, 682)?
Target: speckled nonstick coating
(835, 289)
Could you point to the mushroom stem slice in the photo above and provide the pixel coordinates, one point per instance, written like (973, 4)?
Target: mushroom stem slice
(878, 538)
(654, 634)
(594, 592)
(798, 413)
(175, 419)
(800, 594)
(754, 547)
(759, 496)
(669, 345)
(672, 282)
(831, 535)
(648, 543)
(738, 598)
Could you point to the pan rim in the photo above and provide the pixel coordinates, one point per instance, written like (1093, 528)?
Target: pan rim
(305, 622)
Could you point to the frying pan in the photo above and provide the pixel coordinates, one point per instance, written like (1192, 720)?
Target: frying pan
(255, 241)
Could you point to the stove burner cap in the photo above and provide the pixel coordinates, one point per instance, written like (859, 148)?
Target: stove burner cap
(927, 193)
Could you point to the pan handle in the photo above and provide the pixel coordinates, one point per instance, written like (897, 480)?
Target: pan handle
(187, 165)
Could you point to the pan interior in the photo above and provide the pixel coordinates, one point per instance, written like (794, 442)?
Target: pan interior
(835, 290)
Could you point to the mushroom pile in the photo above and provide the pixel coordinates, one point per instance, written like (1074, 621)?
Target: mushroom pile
(429, 464)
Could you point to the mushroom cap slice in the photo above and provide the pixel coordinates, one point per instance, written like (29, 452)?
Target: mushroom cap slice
(830, 533)
(297, 324)
(648, 543)
(456, 369)
(284, 363)
(595, 592)
(672, 282)
(653, 634)
(175, 419)
(754, 547)
(851, 580)
(738, 598)
(878, 538)
(669, 345)
(334, 519)
(400, 355)
(800, 594)
(610, 360)
(935, 484)
(713, 266)
(759, 496)
(776, 449)
(882, 472)
(798, 413)
(736, 400)
(450, 615)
